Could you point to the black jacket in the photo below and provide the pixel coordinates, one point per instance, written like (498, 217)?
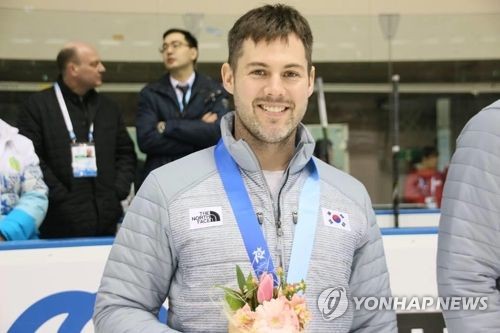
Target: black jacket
(80, 207)
(185, 132)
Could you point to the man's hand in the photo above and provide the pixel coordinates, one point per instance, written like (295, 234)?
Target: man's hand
(209, 117)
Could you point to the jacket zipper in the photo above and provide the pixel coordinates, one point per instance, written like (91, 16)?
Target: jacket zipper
(277, 216)
(279, 230)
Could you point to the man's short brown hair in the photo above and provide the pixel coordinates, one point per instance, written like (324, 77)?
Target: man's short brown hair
(269, 22)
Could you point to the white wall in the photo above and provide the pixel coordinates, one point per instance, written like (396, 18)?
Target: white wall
(222, 7)
(344, 31)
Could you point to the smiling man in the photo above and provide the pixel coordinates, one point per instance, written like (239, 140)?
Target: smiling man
(271, 89)
(180, 113)
(271, 204)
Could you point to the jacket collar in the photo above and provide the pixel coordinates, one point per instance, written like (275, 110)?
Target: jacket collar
(245, 157)
(68, 93)
(163, 86)
(189, 82)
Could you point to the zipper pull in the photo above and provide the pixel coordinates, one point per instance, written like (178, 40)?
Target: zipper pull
(279, 231)
(280, 249)
(260, 217)
(295, 217)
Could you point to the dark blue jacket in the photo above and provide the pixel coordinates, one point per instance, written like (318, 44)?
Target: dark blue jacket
(185, 132)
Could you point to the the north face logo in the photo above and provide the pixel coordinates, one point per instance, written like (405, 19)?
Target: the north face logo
(205, 217)
(214, 216)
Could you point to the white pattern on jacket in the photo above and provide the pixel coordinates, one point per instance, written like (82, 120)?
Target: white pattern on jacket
(468, 261)
(21, 186)
(156, 255)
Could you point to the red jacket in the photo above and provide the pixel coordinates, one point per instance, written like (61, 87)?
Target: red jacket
(422, 184)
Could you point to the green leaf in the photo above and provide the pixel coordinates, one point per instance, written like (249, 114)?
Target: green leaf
(250, 283)
(250, 293)
(233, 299)
(230, 291)
(254, 302)
(241, 278)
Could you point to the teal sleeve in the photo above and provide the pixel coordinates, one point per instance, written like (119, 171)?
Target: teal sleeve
(18, 225)
(23, 221)
(34, 204)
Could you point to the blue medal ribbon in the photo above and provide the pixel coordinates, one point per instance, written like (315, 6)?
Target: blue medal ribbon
(305, 229)
(255, 243)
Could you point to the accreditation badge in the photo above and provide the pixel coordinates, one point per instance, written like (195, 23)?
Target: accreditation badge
(83, 160)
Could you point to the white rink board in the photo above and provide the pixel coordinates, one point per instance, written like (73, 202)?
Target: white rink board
(29, 275)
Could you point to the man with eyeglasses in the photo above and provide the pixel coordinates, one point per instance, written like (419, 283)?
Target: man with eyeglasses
(180, 113)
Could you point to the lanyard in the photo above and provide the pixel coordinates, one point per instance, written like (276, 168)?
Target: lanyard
(67, 120)
(255, 244)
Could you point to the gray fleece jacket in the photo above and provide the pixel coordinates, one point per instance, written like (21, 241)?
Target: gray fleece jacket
(159, 253)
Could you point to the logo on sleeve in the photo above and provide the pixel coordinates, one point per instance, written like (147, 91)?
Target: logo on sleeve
(336, 219)
(205, 217)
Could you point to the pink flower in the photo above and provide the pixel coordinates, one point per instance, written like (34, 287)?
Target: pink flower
(268, 309)
(297, 300)
(243, 319)
(276, 316)
(265, 291)
(298, 304)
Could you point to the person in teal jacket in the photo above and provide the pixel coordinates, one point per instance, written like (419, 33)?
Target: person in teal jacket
(23, 194)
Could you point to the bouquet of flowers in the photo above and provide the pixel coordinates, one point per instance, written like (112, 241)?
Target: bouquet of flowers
(259, 306)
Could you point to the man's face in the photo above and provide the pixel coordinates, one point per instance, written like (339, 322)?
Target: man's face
(88, 70)
(430, 162)
(177, 54)
(271, 86)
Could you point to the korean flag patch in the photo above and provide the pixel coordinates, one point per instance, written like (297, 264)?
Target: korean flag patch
(336, 219)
